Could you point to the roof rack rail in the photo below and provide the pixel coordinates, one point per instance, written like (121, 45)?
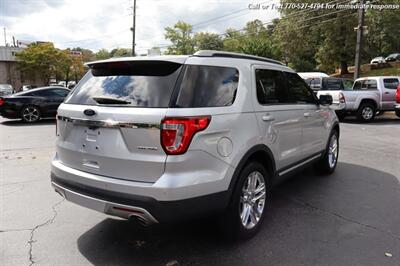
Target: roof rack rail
(213, 53)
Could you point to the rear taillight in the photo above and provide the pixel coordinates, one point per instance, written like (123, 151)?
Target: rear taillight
(2, 101)
(398, 94)
(342, 99)
(177, 132)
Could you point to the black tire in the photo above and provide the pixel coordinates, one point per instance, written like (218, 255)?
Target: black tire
(30, 114)
(397, 113)
(231, 222)
(366, 112)
(324, 165)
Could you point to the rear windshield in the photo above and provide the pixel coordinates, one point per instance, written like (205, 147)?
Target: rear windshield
(134, 84)
(333, 84)
(151, 84)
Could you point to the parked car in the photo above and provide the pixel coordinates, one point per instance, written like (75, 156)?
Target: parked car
(397, 107)
(378, 60)
(27, 87)
(34, 104)
(393, 57)
(370, 95)
(325, 85)
(166, 138)
(6, 89)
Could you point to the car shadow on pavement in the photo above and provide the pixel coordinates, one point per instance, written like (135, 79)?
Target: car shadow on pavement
(20, 123)
(381, 119)
(348, 218)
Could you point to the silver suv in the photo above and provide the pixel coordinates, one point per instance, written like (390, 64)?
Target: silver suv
(166, 138)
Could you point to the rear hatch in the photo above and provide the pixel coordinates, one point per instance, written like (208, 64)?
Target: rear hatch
(110, 124)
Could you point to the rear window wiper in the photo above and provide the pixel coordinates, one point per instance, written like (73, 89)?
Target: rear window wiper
(110, 100)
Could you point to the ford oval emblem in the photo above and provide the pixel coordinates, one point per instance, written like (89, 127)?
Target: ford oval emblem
(89, 112)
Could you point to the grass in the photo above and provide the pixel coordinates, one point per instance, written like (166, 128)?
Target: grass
(390, 71)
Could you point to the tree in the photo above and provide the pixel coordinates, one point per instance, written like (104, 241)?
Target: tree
(63, 66)
(102, 54)
(42, 60)
(257, 40)
(77, 68)
(383, 31)
(208, 41)
(120, 52)
(181, 37)
(87, 54)
(231, 42)
(338, 45)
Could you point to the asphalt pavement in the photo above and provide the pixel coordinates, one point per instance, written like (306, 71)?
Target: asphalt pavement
(349, 218)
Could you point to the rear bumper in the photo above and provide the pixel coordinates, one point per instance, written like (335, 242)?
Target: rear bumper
(146, 209)
(148, 201)
(9, 113)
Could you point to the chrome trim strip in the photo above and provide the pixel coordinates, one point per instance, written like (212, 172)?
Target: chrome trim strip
(300, 164)
(107, 207)
(106, 123)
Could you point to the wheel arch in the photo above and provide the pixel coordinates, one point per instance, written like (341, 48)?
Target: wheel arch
(260, 153)
(369, 100)
(336, 127)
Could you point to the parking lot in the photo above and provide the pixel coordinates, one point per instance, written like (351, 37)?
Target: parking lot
(349, 218)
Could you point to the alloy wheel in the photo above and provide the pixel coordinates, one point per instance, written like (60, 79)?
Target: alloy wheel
(30, 114)
(252, 200)
(333, 151)
(367, 113)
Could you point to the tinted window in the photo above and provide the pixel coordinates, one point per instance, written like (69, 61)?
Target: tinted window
(207, 86)
(270, 87)
(333, 84)
(43, 93)
(391, 83)
(60, 92)
(367, 84)
(298, 91)
(135, 83)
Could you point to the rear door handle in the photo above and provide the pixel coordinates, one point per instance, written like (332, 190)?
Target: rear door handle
(268, 117)
(386, 92)
(307, 114)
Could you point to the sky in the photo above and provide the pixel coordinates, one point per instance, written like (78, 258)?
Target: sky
(96, 24)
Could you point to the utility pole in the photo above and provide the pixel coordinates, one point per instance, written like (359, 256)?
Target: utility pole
(133, 27)
(360, 29)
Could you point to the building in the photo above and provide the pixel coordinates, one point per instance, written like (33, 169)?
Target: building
(9, 72)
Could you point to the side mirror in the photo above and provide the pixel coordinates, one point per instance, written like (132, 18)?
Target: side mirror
(325, 99)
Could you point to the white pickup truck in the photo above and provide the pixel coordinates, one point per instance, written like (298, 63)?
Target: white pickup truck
(367, 97)
(323, 85)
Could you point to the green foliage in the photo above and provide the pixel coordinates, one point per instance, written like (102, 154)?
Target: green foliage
(208, 41)
(181, 37)
(121, 52)
(43, 60)
(102, 54)
(383, 31)
(231, 42)
(87, 54)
